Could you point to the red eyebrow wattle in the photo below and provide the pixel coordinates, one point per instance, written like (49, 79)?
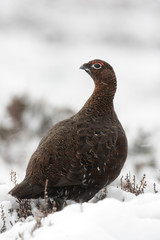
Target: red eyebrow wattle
(94, 62)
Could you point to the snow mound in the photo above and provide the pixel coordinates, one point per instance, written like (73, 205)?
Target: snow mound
(121, 215)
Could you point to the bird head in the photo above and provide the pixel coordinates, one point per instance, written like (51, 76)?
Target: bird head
(102, 73)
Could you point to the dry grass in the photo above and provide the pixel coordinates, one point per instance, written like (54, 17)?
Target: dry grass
(128, 184)
(3, 217)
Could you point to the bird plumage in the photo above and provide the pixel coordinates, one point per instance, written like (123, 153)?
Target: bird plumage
(82, 154)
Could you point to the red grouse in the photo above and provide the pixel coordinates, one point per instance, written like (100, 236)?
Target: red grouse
(82, 154)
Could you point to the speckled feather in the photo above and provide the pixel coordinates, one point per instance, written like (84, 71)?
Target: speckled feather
(80, 155)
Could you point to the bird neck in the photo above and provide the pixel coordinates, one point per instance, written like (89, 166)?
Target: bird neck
(106, 86)
(99, 101)
(103, 94)
(99, 105)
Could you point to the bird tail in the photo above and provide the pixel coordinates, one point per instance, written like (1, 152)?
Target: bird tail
(26, 190)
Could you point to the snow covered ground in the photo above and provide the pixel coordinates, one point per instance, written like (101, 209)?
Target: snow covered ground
(120, 216)
(42, 46)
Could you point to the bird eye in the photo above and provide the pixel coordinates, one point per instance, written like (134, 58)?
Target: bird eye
(97, 66)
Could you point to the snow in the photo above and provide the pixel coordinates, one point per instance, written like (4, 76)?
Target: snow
(111, 218)
(42, 45)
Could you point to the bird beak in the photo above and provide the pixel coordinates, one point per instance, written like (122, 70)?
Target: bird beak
(85, 67)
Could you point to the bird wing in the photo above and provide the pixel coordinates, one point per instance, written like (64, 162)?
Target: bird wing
(94, 147)
(82, 152)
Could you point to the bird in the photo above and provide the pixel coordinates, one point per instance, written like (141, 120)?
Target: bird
(83, 154)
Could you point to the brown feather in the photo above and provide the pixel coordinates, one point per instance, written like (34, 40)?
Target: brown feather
(80, 155)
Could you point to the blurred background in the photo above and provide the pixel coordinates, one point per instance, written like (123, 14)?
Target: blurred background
(42, 45)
